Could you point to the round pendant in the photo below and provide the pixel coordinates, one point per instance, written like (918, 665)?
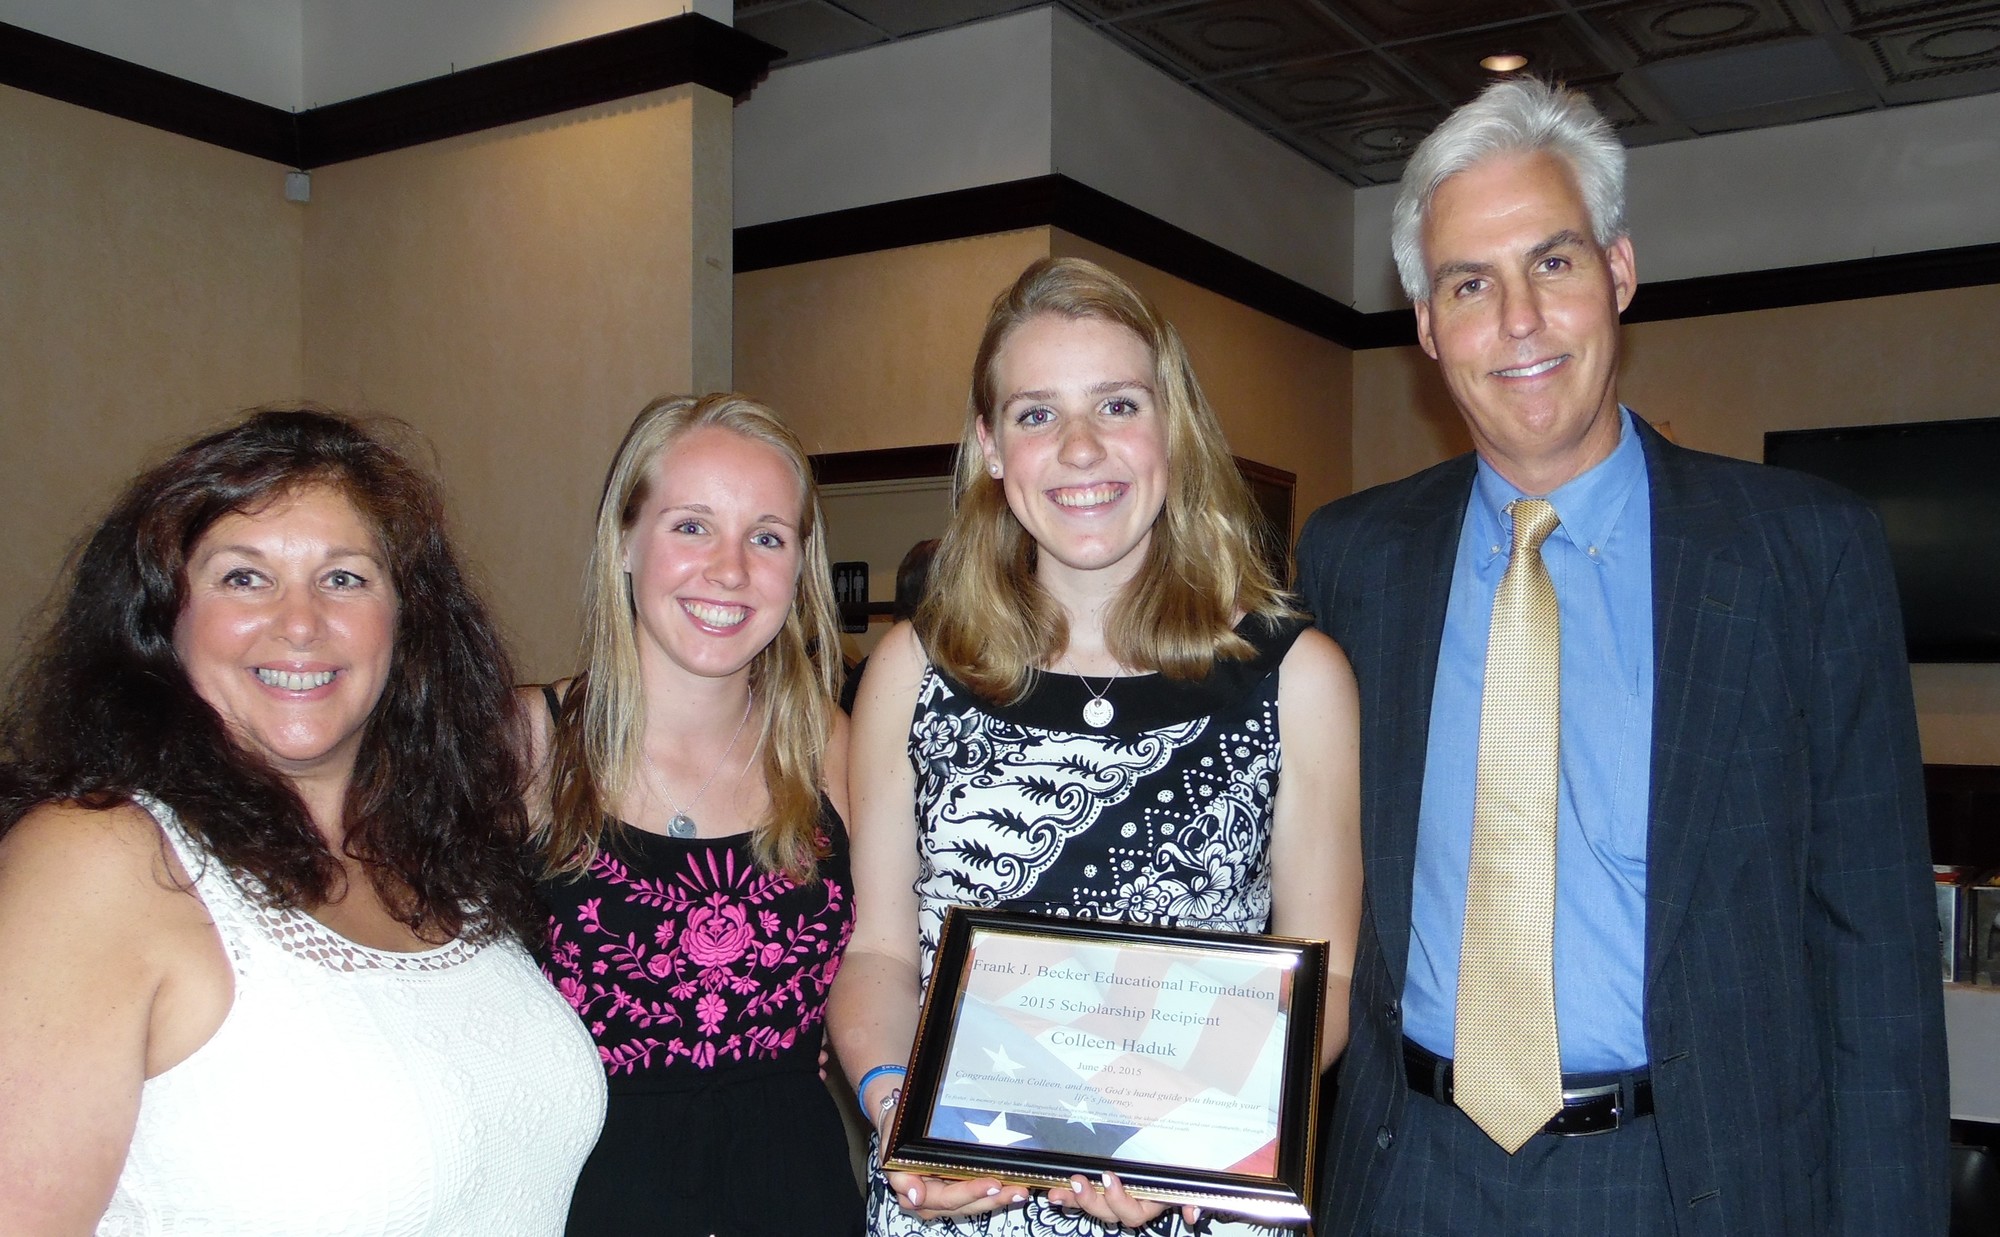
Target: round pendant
(1098, 712)
(681, 826)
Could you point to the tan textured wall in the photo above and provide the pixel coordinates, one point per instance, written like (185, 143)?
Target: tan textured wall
(1722, 381)
(519, 295)
(1282, 394)
(149, 288)
(874, 350)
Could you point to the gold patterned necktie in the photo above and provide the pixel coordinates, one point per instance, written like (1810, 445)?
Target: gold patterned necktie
(1507, 1070)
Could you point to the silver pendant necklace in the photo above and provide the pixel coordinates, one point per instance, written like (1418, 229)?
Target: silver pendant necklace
(1097, 711)
(680, 824)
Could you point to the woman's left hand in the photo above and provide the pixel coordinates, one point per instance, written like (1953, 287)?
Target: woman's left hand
(1110, 1204)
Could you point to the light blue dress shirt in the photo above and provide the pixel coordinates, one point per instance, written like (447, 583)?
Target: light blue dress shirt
(1601, 561)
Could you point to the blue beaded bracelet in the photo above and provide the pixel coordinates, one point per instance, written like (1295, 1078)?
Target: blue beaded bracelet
(861, 1088)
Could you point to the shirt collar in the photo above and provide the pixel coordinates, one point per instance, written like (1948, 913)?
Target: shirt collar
(1588, 505)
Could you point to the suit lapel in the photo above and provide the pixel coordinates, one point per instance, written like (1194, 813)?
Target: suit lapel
(1705, 605)
(1414, 589)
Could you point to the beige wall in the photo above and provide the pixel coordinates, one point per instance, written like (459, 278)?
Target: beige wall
(1283, 395)
(874, 350)
(519, 294)
(149, 287)
(1722, 381)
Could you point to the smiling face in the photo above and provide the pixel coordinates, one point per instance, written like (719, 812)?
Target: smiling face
(289, 629)
(1522, 317)
(714, 553)
(1079, 437)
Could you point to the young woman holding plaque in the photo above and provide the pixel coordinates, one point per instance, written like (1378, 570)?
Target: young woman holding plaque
(698, 893)
(1087, 715)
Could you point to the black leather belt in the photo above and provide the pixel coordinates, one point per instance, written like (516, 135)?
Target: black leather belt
(1592, 1103)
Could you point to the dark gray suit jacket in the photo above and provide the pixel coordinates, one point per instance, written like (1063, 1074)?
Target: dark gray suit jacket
(1793, 1015)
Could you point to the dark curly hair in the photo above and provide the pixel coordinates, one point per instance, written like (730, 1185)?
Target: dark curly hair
(103, 710)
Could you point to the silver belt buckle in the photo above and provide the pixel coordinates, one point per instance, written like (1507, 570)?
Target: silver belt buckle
(1583, 1095)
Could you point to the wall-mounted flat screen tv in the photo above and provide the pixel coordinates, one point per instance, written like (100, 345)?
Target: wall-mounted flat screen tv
(1937, 487)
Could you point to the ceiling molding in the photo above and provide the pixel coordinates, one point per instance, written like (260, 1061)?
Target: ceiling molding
(1931, 270)
(63, 71)
(688, 49)
(696, 49)
(1049, 201)
(1057, 201)
(884, 464)
(676, 51)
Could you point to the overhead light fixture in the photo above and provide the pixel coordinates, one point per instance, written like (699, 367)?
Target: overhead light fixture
(1503, 62)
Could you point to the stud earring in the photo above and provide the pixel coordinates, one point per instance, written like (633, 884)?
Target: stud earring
(993, 467)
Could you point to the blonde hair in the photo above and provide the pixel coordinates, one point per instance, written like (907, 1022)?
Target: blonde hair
(987, 620)
(601, 725)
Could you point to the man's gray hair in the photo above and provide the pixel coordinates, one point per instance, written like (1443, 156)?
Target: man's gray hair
(1513, 115)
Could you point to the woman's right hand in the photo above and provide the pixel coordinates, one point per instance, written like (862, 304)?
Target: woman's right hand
(932, 1198)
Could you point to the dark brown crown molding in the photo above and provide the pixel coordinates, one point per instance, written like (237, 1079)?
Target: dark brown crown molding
(1932, 270)
(696, 49)
(1048, 201)
(885, 464)
(1058, 201)
(941, 460)
(45, 66)
(672, 52)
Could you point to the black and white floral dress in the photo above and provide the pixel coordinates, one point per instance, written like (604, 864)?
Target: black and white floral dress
(1163, 816)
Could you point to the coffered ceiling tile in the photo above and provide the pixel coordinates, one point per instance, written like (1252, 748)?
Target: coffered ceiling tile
(1126, 8)
(1554, 48)
(1859, 13)
(901, 17)
(1395, 20)
(1376, 149)
(1762, 84)
(1932, 51)
(1685, 27)
(1357, 84)
(1637, 123)
(808, 30)
(1208, 39)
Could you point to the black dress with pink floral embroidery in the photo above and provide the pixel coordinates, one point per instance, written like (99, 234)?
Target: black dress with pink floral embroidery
(704, 982)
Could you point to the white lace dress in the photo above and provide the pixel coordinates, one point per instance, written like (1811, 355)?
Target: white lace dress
(359, 1091)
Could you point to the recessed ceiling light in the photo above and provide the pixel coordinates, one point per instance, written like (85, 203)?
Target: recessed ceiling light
(1504, 62)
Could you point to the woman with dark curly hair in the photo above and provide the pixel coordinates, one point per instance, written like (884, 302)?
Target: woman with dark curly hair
(263, 894)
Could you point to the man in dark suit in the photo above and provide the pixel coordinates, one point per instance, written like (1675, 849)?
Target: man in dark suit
(1740, 935)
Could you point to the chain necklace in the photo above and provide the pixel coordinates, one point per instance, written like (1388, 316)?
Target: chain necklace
(1097, 711)
(680, 824)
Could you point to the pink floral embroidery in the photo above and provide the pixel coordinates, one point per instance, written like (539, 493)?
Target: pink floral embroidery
(736, 963)
(716, 933)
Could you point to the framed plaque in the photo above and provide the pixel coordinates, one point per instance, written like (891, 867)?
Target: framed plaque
(1186, 1062)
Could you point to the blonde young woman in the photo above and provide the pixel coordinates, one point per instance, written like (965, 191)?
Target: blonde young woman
(699, 897)
(1104, 709)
